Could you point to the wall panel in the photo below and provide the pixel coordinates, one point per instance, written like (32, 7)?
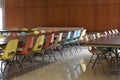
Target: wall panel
(34, 3)
(35, 17)
(114, 13)
(55, 2)
(15, 18)
(80, 2)
(14, 3)
(95, 15)
(89, 20)
(101, 18)
(53, 18)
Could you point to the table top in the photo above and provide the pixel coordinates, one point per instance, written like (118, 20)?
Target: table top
(4, 40)
(15, 31)
(109, 41)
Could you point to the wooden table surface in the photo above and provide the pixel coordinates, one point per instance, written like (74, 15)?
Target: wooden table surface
(109, 41)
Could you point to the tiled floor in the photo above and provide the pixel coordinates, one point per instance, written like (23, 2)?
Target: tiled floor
(67, 69)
